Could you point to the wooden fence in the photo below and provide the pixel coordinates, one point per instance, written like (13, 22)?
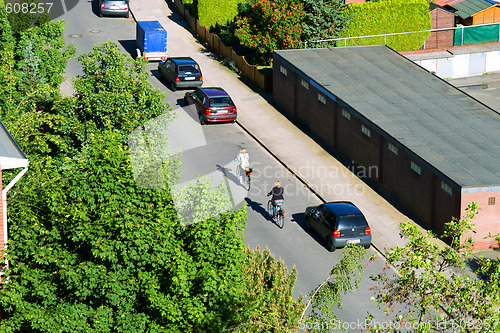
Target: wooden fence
(263, 81)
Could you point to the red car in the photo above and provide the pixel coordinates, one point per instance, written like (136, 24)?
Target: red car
(212, 105)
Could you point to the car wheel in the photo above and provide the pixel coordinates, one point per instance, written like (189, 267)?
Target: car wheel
(367, 246)
(127, 15)
(100, 13)
(202, 120)
(329, 244)
(172, 86)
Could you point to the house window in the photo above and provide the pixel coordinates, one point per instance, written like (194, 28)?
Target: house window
(283, 70)
(392, 148)
(491, 201)
(415, 167)
(322, 98)
(304, 83)
(366, 131)
(447, 188)
(346, 114)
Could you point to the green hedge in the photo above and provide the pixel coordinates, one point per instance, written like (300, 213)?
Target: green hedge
(389, 16)
(216, 12)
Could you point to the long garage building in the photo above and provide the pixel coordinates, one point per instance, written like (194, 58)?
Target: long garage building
(435, 148)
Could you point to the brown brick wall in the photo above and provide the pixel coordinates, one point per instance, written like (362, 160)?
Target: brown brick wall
(488, 219)
(414, 191)
(361, 149)
(317, 116)
(284, 88)
(441, 19)
(445, 206)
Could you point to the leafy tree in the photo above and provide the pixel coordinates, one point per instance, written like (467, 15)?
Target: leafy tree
(326, 298)
(268, 25)
(21, 21)
(324, 19)
(91, 251)
(7, 62)
(114, 91)
(269, 306)
(42, 57)
(436, 294)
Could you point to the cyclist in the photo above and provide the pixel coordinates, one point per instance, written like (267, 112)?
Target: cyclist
(277, 196)
(244, 163)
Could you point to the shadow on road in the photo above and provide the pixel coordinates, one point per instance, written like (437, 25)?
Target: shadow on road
(258, 208)
(228, 174)
(129, 46)
(299, 218)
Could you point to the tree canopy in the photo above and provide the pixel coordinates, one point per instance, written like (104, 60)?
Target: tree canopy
(90, 249)
(435, 290)
(266, 25)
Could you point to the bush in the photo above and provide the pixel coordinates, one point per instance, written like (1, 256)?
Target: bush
(384, 17)
(216, 12)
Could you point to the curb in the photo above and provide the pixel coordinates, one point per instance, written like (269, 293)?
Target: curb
(300, 179)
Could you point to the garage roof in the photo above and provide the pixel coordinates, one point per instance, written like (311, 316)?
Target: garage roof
(11, 156)
(453, 133)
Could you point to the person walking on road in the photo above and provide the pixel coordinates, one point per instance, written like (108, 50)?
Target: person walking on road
(244, 163)
(277, 196)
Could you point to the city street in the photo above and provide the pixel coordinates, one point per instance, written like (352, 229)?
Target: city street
(212, 153)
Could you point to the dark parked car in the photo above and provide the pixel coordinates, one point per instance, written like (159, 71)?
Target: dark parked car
(212, 105)
(181, 72)
(339, 223)
(114, 8)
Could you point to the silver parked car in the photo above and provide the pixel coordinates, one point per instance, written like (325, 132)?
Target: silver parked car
(114, 8)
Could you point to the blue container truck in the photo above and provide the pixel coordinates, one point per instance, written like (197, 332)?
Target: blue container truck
(151, 40)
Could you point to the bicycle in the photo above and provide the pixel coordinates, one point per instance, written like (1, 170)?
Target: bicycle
(246, 178)
(280, 213)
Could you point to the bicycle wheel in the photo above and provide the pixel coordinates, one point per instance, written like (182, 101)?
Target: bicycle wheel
(270, 209)
(280, 219)
(246, 182)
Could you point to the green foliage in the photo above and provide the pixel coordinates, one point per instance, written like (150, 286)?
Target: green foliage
(21, 22)
(91, 248)
(390, 16)
(89, 245)
(114, 91)
(326, 299)
(42, 59)
(201, 201)
(436, 293)
(213, 13)
(7, 62)
(270, 306)
(324, 19)
(267, 25)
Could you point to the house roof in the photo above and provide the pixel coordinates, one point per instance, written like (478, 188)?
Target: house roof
(495, 5)
(437, 124)
(434, 6)
(11, 156)
(467, 8)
